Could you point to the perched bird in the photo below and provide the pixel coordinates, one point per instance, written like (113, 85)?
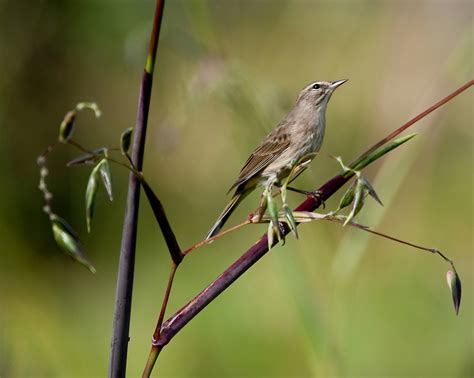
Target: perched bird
(299, 135)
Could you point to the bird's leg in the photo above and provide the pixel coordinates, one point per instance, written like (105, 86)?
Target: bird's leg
(274, 225)
(316, 195)
(262, 207)
(290, 220)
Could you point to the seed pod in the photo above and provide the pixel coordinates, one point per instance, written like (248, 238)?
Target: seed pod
(359, 199)
(290, 220)
(454, 284)
(67, 126)
(270, 235)
(91, 192)
(348, 197)
(68, 241)
(272, 208)
(104, 170)
(126, 140)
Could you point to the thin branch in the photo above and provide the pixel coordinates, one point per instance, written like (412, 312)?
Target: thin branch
(123, 302)
(174, 324)
(165, 226)
(367, 229)
(165, 300)
(155, 350)
(420, 247)
(115, 161)
(220, 234)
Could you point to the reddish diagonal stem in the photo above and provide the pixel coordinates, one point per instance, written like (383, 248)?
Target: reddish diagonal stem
(417, 118)
(174, 324)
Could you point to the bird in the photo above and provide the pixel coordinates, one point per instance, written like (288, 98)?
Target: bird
(298, 136)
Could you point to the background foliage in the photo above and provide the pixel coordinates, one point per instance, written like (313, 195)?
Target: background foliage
(334, 303)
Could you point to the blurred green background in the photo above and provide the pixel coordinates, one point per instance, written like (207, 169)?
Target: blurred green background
(334, 303)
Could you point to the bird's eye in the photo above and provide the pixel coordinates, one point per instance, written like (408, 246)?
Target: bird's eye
(316, 86)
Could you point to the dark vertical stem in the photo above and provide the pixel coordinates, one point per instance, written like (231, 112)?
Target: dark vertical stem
(123, 302)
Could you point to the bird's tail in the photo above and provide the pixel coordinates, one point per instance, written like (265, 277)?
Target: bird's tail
(228, 210)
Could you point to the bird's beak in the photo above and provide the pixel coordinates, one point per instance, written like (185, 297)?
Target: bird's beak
(337, 83)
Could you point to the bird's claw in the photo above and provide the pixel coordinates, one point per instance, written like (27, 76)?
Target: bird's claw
(317, 195)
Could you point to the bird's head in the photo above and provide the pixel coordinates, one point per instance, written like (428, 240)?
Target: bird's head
(318, 92)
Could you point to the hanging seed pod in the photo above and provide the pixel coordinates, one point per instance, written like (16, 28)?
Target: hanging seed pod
(454, 284)
(68, 241)
(67, 126)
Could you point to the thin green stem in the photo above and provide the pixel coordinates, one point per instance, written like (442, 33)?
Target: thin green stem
(155, 349)
(150, 363)
(166, 297)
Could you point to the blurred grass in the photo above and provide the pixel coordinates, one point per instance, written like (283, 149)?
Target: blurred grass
(226, 73)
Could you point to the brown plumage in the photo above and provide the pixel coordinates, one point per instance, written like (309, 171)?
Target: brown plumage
(299, 135)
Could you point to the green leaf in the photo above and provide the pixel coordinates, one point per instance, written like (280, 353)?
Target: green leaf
(273, 212)
(290, 220)
(454, 284)
(366, 160)
(272, 208)
(359, 199)
(104, 170)
(348, 197)
(68, 241)
(91, 192)
(67, 126)
(126, 140)
(270, 235)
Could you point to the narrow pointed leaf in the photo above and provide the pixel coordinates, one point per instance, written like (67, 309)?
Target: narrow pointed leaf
(126, 140)
(454, 284)
(290, 220)
(87, 159)
(104, 170)
(67, 126)
(270, 235)
(370, 190)
(272, 208)
(69, 242)
(348, 197)
(91, 192)
(273, 212)
(366, 160)
(358, 202)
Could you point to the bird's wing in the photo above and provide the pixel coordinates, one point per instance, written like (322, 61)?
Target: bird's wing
(272, 147)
